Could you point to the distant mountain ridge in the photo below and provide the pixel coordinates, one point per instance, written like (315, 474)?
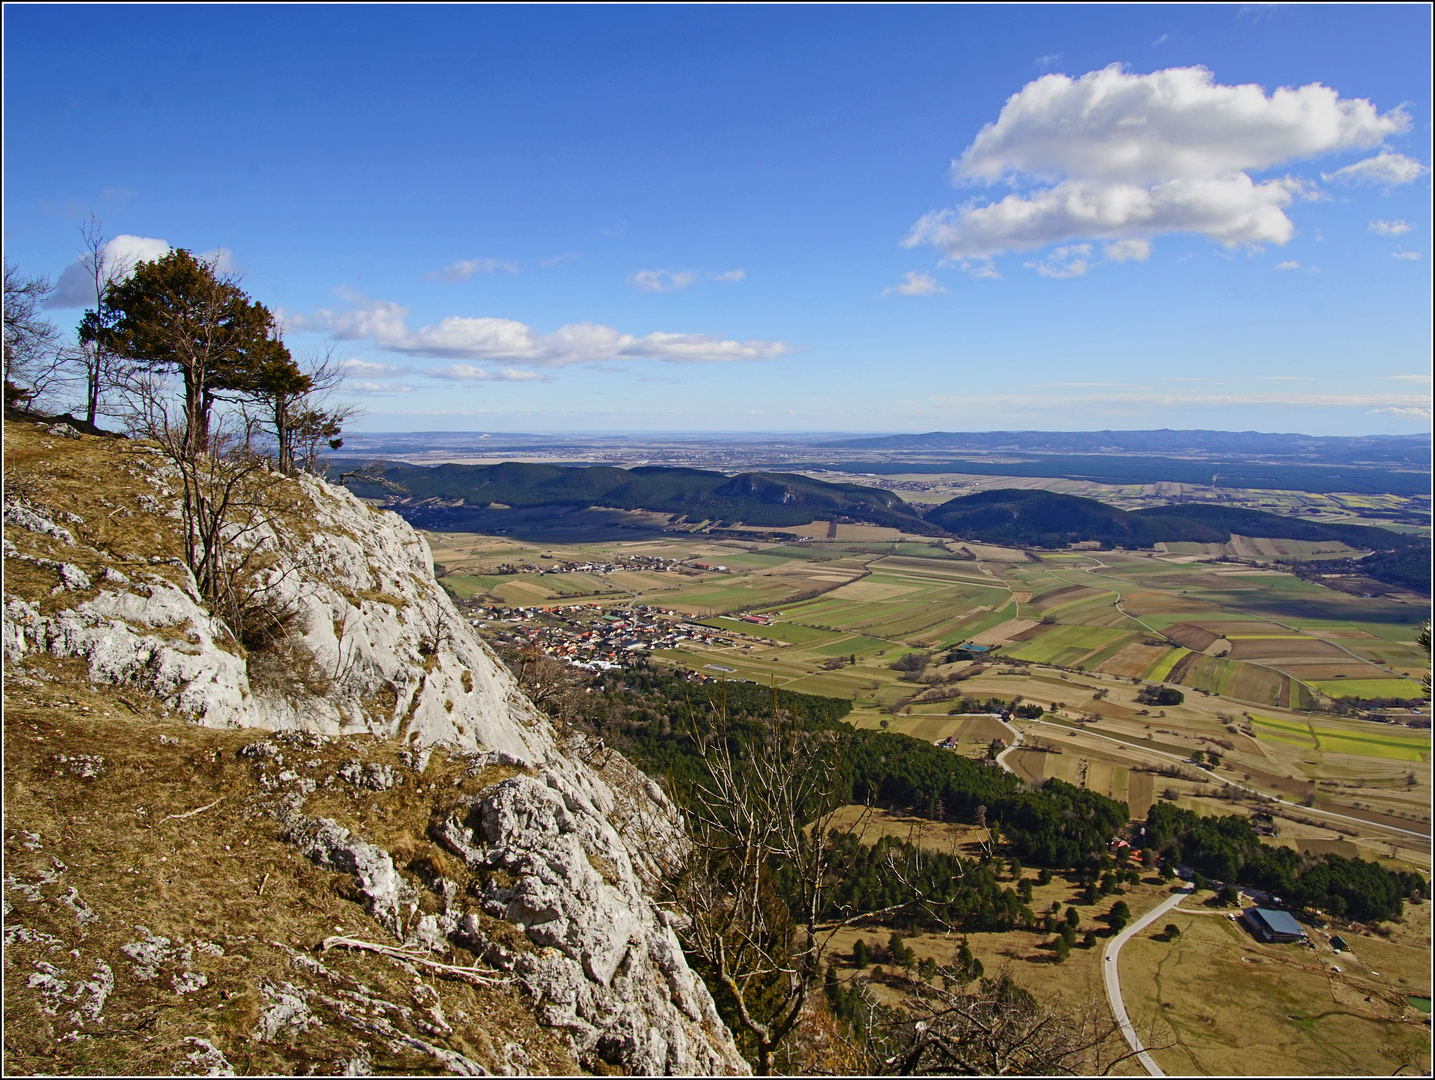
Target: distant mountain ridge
(1132, 469)
(1325, 449)
(1046, 519)
(756, 498)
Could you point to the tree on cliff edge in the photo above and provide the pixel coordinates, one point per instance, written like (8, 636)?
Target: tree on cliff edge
(180, 315)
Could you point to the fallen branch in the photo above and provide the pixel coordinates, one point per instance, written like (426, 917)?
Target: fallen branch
(482, 976)
(202, 809)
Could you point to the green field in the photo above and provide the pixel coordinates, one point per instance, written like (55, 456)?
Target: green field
(1378, 742)
(857, 643)
(1073, 642)
(465, 586)
(1369, 688)
(790, 633)
(1162, 667)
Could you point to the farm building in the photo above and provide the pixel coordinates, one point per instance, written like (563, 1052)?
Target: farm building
(1269, 925)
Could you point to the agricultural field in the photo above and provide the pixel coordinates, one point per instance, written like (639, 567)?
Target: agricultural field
(1262, 658)
(1077, 632)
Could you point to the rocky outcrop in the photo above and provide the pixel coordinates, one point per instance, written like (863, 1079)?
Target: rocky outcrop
(374, 645)
(570, 843)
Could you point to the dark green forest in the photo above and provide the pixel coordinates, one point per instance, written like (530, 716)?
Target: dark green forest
(1119, 469)
(1046, 519)
(657, 718)
(1228, 849)
(773, 499)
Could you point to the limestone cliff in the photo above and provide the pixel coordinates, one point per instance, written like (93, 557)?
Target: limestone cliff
(405, 866)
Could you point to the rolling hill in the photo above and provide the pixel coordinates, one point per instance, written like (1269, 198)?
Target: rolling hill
(759, 498)
(1046, 519)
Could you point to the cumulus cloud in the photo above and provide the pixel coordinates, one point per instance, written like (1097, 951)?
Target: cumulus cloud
(1390, 228)
(469, 373)
(505, 340)
(915, 283)
(1289, 264)
(1064, 262)
(1124, 250)
(1410, 256)
(1383, 170)
(662, 280)
(1118, 156)
(730, 275)
(76, 286)
(359, 369)
(467, 268)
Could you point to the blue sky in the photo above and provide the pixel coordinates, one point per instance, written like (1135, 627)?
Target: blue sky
(770, 218)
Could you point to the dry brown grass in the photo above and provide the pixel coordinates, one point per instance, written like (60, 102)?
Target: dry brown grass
(225, 876)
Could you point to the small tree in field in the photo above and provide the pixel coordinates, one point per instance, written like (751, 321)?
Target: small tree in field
(1119, 916)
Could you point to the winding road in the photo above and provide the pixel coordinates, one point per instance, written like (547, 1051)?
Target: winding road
(1113, 980)
(1113, 947)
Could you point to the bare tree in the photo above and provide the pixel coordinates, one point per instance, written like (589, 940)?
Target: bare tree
(100, 366)
(766, 808)
(998, 1028)
(32, 356)
(226, 507)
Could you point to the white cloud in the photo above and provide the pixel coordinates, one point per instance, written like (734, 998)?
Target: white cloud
(662, 280)
(559, 259)
(1138, 401)
(221, 258)
(1415, 412)
(367, 387)
(1407, 255)
(505, 340)
(1384, 170)
(1046, 62)
(467, 268)
(469, 373)
(1122, 250)
(1161, 40)
(1390, 228)
(76, 286)
(915, 283)
(730, 275)
(1064, 262)
(1289, 264)
(358, 369)
(1119, 156)
(1409, 378)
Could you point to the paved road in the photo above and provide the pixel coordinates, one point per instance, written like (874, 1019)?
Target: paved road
(1113, 982)
(1113, 948)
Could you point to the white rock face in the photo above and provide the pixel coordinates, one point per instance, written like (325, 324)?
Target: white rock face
(584, 841)
(392, 654)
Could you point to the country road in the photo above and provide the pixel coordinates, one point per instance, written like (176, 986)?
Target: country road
(1112, 963)
(1113, 948)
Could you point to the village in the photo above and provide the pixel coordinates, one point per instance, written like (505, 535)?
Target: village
(591, 636)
